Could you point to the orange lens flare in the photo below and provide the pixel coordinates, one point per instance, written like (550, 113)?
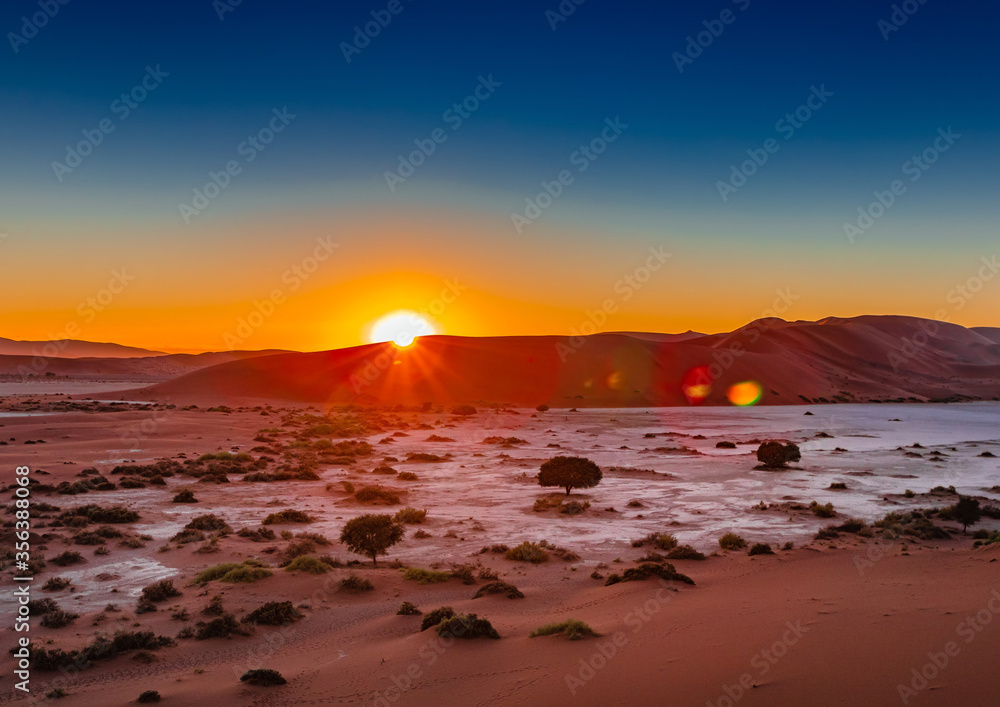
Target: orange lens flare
(745, 393)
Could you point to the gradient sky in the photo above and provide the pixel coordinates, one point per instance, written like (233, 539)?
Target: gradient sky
(655, 186)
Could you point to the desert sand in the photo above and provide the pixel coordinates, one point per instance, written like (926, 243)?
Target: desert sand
(834, 621)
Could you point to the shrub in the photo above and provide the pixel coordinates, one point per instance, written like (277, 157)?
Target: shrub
(760, 549)
(422, 576)
(542, 408)
(377, 495)
(69, 557)
(527, 552)
(407, 476)
(822, 510)
(464, 573)
(273, 613)
(263, 677)
(219, 627)
(909, 493)
(354, 583)
(499, 587)
(185, 496)
(466, 626)
(408, 609)
(234, 572)
(650, 569)
(55, 584)
(684, 552)
(56, 692)
(435, 617)
(58, 618)
(569, 473)
(463, 410)
(348, 486)
(732, 541)
(289, 515)
(214, 607)
(257, 535)
(384, 469)
(371, 535)
(411, 516)
(209, 523)
(307, 563)
(151, 695)
(422, 457)
(97, 514)
(160, 591)
(775, 455)
(572, 629)
(838, 486)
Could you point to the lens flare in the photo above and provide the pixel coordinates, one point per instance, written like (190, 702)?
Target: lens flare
(745, 393)
(697, 385)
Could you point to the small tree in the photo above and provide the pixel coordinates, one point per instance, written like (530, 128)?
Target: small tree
(775, 455)
(570, 473)
(371, 534)
(966, 511)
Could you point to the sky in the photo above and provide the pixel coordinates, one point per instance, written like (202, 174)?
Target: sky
(200, 175)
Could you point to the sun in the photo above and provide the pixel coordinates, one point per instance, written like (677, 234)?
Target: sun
(401, 327)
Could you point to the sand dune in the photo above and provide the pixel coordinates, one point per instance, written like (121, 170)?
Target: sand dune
(871, 358)
(136, 368)
(71, 348)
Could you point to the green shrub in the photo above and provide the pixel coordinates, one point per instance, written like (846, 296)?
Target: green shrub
(685, 552)
(378, 495)
(307, 563)
(185, 496)
(234, 572)
(760, 549)
(149, 696)
(354, 583)
(824, 510)
(209, 523)
(348, 486)
(435, 617)
(273, 613)
(527, 552)
(263, 677)
(289, 515)
(422, 576)
(732, 541)
(408, 609)
(665, 541)
(571, 628)
(257, 535)
(214, 607)
(371, 535)
(466, 626)
(407, 476)
(160, 591)
(411, 516)
(499, 587)
(55, 584)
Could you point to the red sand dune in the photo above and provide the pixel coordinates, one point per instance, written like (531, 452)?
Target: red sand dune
(845, 360)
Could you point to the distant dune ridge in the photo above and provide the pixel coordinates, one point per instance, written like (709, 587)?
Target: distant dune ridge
(71, 348)
(868, 358)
